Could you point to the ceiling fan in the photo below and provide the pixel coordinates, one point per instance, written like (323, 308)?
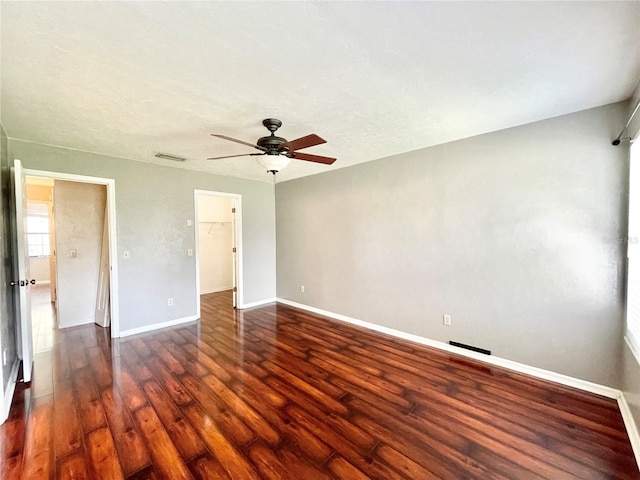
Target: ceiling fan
(277, 152)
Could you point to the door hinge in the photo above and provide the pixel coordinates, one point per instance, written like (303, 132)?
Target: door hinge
(233, 210)
(235, 289)
(234, 250)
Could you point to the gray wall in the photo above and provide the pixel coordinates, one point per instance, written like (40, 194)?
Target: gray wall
(153, 204)
(516, 234)
(7, 326)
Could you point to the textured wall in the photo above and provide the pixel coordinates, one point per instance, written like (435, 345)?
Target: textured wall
(517, 234)
(7, 322)
(79, 224)
(153, 204)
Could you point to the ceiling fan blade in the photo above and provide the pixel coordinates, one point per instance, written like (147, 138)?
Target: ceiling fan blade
(231, 156)
(311, 158)
(302, 142)
(224, 137)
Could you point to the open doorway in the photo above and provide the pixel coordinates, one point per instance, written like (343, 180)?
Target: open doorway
(68, 244)
(41, 247)
(217, 240)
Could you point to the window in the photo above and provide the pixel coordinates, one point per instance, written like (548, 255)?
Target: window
(38, 229)
(633, 252)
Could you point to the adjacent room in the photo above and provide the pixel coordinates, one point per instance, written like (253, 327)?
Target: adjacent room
(320, 240)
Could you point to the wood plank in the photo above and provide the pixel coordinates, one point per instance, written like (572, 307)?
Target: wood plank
(102, 456)
(131, 451)
(234, 463)
(66, 420)
(233, 427)
(91, 410)
(12, 437)
(73, 467)
(206, 467)
(38, 448)
(251, 418)
(182, 434)
(129, 389)
(166, 459)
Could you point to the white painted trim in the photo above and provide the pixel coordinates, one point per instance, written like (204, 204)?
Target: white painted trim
(157, 326)
(110, 183)
(238, 242)
(11, 388)
(630, 425)
(493, 360)
(634, 351)
(43, 282)
(258, 303)
(216, 290)
(76, 324)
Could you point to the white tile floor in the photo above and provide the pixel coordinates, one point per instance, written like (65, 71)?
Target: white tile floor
(43, 318)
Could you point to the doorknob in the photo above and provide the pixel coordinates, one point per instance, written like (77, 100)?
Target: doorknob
(32, 281)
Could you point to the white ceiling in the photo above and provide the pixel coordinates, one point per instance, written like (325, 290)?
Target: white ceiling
(374, 79)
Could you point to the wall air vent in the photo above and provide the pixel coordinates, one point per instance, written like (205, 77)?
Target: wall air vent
(168, 156)
(470, 347)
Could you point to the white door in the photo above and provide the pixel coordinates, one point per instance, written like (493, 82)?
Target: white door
(102, 300)
(23, 282)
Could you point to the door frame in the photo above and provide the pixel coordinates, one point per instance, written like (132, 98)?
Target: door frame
(237, 234)
(110, 183)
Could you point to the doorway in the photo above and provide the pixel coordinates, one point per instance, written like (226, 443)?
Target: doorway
(41, 247)
(67, 237)
(218, 245)
(83, 246)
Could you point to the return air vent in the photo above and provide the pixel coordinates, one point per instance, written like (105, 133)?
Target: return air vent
(470, 347)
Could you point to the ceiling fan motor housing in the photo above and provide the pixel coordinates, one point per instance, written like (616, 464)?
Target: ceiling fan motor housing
(271, 143)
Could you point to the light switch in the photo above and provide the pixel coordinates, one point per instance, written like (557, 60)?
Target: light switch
(189, 223)
(125, 254)
(190, 252)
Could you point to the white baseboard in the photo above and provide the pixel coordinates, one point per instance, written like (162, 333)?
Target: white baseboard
(216, 290)
(157, 326)
(76, 324)
(258, 303)
(493, 360)
(630, 425)
(11, 388)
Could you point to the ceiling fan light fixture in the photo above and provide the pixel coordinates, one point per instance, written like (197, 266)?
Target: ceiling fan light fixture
(273, 163)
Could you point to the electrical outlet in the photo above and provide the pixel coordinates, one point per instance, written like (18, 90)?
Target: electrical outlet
(170, 302)
(301, 288)
(189, 222)
(73, 253)
(446, 319)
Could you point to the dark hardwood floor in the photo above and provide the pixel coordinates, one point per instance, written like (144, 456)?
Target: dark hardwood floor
(279, 393)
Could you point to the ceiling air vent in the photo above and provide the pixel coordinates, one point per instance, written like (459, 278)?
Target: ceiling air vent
(168, 156)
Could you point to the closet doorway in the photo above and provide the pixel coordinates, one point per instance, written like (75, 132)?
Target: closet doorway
(218, 245)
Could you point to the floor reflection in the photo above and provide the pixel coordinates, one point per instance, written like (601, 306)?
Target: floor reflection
(43, 318)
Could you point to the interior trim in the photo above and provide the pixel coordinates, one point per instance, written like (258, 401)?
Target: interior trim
(157, 326)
